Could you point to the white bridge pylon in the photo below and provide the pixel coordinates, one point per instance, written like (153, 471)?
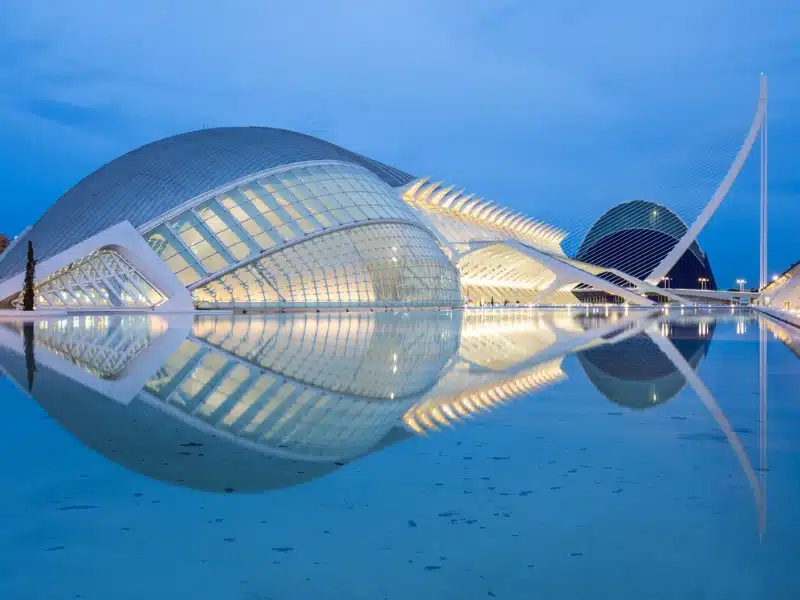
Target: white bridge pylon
(702, 219)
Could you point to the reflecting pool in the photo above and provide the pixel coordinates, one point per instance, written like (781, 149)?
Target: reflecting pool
(499, 453)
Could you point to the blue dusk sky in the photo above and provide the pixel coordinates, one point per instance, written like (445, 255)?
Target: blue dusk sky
(559, 109)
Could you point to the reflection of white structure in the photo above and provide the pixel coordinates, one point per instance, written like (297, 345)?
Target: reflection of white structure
(707, 398)
(253, 217)
(237, 403)
(253, 403)
(298, 394)
(504, 356)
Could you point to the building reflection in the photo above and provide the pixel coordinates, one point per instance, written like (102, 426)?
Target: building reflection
(250, 403)
(635, 373)
(789, 335)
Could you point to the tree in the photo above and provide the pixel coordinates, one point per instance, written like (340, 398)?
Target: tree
(30, 274)
(30, 358)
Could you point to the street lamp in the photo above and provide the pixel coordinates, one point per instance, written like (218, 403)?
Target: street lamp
(703, 281)
(666, 281)
(741, 283)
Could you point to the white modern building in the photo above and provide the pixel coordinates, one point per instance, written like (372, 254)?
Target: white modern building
(784, 291)
(255, 217)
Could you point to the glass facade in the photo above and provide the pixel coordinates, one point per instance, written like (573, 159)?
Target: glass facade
(102, 345)
(368, 354)
(387, 264)
(267, 409)
(103, 279)
(635, 215)
(147, 182)
(269, 212)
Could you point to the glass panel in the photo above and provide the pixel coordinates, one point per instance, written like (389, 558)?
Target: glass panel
(226, 228)
(352, 266)
(96, 281)
(251, 218)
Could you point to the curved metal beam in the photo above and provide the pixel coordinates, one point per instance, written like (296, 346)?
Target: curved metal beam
(719, 195)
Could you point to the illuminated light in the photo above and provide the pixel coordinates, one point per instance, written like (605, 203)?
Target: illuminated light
(435, 198)
(479, 402)
(469, 404)
(411, 191)
(426, 421)
(448, 200)
(448, 410)
(512, 224)
(459, 203)
(503, 216)
(460, 409)
(467, 208)
(439, 417)
(412, 423)
(422, 195)
(479, 209)
(489, 214)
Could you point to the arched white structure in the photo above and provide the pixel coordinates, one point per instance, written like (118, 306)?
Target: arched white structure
(719, 195)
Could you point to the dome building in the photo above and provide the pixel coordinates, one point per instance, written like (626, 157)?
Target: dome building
(634, 237)
(241, 216)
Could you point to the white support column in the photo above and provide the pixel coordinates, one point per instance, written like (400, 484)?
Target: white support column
(763, 469)
(707, 398)
(550, 288)
(653, 289)
(568, 272)
(763, 274)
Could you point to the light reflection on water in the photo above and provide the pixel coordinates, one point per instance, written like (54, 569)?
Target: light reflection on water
(262, 456)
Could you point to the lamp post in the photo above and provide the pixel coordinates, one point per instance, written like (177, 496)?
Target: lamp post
(666, 281)
(703, 281)
(741, 283)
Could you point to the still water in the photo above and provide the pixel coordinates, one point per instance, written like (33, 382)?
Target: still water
(506, 453)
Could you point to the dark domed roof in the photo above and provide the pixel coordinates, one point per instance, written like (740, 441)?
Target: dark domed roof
(635, 373)
(636, 215)
(155, 178)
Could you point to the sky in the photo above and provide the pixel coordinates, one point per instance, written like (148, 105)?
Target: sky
(559, 109)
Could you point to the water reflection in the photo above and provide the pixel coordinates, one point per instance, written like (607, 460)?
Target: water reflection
(635, 373)
(253, 403)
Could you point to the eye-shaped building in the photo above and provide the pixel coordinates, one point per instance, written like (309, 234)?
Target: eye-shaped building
(255, 217)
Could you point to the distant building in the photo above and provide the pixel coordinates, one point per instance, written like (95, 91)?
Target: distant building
(784, 291)
(634, 237)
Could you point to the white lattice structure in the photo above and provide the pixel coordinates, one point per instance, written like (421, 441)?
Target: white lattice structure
(103, 279)
(468, 217)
